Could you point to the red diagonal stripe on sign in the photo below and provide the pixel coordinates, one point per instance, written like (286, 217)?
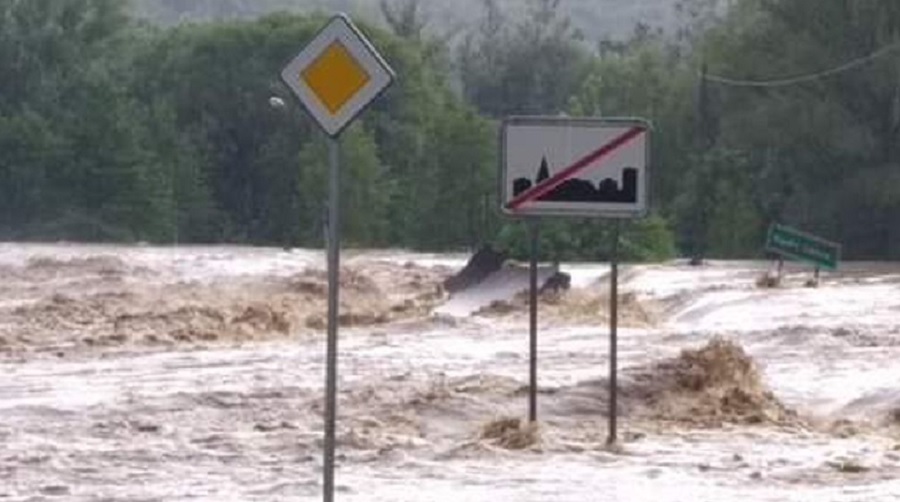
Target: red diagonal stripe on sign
(558, 178)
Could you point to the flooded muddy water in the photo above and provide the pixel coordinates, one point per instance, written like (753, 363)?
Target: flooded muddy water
(196, 374)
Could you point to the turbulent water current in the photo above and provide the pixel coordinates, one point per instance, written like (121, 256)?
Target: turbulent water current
(196, 374)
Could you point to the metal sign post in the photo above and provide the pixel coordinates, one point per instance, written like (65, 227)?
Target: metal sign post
(336, 76)
(532, 321)
(334, 263)
(614, 339)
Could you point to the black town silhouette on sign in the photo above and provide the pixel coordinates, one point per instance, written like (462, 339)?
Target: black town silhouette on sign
(579, 190)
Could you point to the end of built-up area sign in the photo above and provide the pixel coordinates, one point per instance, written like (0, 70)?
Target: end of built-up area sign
(575, 167)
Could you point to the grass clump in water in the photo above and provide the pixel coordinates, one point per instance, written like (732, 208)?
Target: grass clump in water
(511, 433)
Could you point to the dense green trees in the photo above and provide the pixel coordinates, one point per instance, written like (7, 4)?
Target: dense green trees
(818, 152)
(75, 160)
(111, 129)
(167, 135)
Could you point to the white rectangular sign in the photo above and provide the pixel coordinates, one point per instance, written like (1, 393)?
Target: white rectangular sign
(575, 167)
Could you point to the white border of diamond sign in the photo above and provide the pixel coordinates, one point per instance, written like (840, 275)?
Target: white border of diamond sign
(339, 29)
(577, 167)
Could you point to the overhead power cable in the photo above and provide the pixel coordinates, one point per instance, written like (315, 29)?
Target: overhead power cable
(803, 78)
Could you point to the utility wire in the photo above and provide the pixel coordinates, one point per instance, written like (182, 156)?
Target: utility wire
(803, 78)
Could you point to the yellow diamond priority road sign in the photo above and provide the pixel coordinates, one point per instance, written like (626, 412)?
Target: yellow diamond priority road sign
(337, 75)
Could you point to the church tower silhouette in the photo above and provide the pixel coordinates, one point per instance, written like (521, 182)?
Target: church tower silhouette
(543, 172)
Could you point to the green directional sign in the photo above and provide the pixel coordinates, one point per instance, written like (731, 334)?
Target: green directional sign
(802, 246)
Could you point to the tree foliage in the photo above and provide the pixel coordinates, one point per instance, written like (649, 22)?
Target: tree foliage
(111, 129)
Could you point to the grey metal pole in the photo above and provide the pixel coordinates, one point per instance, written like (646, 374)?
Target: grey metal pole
(532, 321)
(334, 257)
(614, 339)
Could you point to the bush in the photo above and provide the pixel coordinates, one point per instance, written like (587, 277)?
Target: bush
(647, 240)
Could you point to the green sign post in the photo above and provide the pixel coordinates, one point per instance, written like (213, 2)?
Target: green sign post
(802, 246)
